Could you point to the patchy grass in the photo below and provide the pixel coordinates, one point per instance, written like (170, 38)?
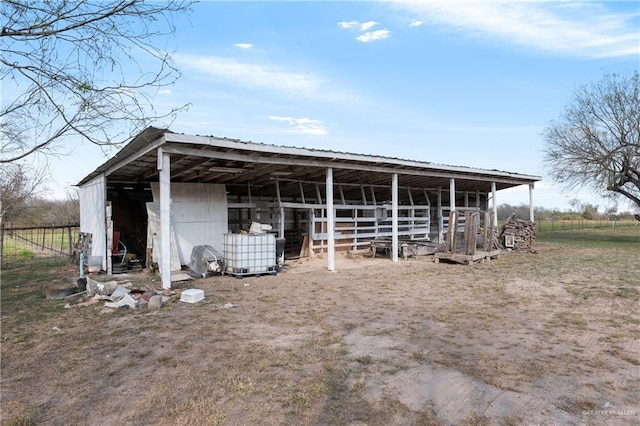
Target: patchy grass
(621, 237)
(373, 343)
(23, 290)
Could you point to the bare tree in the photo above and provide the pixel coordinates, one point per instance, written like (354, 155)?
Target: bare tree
(18, 184)
(81, 67)
(596, 142)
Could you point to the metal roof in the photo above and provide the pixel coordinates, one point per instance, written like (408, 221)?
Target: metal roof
(239, 163)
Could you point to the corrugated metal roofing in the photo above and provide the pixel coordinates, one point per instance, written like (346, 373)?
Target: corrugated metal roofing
(235, 162)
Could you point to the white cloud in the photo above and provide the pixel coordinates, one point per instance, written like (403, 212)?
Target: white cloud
(368, 36)
(244, 45)
(255, 75)
(265, 76)
(416, 23)
(164, 92)
(368, 25)
(583, 29)
(374, 35)
(302, 125)
(349, 24)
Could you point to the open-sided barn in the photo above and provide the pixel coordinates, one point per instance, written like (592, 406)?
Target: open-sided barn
(165, 193)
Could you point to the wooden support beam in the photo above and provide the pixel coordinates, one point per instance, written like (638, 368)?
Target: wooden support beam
(331, 243)
(164, 166)
(301, 191)
(394, 218)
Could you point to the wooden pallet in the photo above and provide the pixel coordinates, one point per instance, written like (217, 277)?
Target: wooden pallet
(240, 273)
(467, 259)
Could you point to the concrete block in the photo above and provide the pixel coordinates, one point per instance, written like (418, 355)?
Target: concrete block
(192, 295)
(155, 302)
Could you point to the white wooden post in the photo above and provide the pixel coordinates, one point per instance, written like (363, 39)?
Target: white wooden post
(412, 211)
(394, 218)
(440, 217)
(109, 237)
(164, 165)
(494, 204)
(331, 244)
(280, 210)
(452, 194)
(531, 216)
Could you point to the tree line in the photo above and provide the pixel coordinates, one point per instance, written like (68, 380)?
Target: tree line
(37, 210)
(578, 211)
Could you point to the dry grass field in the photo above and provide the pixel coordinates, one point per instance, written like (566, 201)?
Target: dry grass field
(551, 337)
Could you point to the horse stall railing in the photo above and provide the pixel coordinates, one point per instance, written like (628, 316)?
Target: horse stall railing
(357, 226)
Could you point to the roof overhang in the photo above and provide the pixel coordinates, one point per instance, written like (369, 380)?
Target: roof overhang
(211, 159)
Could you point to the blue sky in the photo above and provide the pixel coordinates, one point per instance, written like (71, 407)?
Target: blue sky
(459, 83)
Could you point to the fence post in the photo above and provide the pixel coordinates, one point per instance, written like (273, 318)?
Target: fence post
(70, 244)
(1, 240)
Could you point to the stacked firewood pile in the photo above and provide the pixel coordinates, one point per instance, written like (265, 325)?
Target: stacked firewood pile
(518, 234)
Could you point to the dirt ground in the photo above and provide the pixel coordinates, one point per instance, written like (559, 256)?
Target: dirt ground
(551, 337)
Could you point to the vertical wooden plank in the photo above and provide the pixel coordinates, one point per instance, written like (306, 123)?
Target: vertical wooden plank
(473, 232)
(492, 236)
(468, 232)
(453, 230)
(485, 232)
(301, 191)
(304, 247)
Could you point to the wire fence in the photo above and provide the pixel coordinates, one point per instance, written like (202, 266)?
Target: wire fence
(565, 225)
(29, 244)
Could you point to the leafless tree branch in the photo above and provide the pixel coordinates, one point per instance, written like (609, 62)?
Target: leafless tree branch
(82, 67)
(596, 142)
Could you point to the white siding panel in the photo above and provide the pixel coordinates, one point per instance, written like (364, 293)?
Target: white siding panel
(92, 216)
(153, 238)
(199, 215)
